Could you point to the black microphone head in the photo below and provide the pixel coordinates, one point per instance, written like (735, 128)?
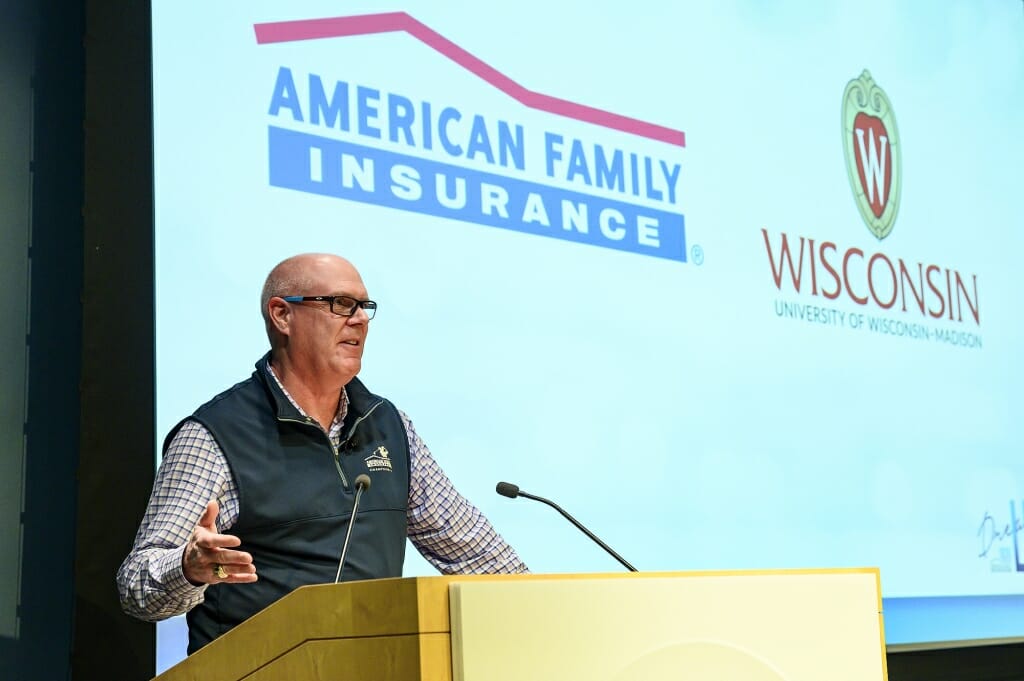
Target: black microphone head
(507, 489)
(363, 480)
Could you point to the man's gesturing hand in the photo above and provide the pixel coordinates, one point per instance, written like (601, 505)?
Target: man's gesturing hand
(209, 558)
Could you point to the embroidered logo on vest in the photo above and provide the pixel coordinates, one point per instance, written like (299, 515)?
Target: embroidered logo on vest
(379, 460)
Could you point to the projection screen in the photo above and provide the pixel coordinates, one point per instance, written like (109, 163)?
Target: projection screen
(731, 282)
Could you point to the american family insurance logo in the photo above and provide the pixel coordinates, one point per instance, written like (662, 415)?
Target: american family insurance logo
(861, 287)
(521, 161)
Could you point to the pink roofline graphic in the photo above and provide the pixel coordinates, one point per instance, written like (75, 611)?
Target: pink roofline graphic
(337, 27)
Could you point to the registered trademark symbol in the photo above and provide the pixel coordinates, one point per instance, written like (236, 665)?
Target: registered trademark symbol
(697, 255)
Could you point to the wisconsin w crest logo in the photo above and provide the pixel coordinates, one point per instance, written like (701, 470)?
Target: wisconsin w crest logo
(871, 145)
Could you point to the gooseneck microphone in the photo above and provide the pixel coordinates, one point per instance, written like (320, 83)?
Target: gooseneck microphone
(362, 483)
(507, 489)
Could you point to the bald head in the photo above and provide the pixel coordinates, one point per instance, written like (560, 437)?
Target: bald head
(307, 274)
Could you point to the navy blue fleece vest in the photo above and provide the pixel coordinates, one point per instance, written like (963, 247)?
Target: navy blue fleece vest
(296, 493)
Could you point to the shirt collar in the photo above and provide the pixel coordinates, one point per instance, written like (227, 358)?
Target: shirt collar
(339, 416)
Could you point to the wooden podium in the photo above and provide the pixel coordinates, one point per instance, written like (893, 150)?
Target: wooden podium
(785, 625)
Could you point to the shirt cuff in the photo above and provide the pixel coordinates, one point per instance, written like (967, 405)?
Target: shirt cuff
(171, 576)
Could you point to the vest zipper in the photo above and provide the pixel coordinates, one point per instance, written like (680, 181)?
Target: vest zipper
(337, 461)
(337, 464)
(348, 436)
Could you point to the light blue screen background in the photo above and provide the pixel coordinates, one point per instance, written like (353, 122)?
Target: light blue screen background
(668, 405)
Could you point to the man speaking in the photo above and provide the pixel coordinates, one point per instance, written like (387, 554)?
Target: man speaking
(255, 489)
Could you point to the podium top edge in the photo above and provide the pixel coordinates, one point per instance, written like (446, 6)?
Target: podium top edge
(682, 574)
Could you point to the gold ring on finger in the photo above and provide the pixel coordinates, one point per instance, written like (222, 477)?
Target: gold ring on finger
(219, 571)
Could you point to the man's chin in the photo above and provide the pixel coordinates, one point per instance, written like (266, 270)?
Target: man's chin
(349, 367)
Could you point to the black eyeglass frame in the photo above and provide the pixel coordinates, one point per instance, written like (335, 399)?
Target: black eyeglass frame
(367, 306)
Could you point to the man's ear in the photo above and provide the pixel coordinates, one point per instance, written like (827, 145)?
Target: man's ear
(280, 315)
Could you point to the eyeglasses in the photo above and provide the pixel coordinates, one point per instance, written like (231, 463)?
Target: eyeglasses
(345, 306)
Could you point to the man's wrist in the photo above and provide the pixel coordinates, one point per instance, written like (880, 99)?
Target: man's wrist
(172, 573)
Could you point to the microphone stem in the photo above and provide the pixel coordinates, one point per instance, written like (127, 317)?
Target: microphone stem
(348, 533)
(581, 528)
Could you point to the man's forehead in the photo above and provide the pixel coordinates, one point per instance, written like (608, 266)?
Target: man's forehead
(340, 287)
(334, 272)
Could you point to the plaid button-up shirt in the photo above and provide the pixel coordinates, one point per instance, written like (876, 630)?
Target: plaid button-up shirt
(444, 527)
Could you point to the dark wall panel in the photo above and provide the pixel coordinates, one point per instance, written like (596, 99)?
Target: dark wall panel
(116, 468)
(41, 648)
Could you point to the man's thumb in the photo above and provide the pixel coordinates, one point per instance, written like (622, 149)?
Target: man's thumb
(209, 517)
